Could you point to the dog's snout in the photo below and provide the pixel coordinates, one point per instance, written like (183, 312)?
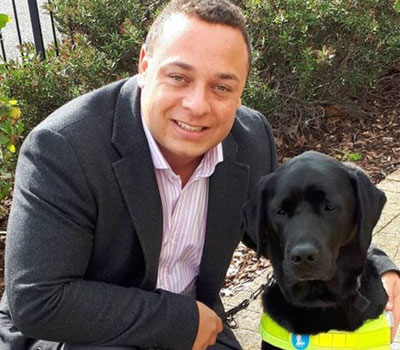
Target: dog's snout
(304, 254)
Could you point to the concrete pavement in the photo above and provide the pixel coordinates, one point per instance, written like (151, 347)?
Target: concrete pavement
(386, 236)
(9, 33)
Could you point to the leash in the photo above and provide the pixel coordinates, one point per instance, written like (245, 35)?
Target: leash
(228, 316)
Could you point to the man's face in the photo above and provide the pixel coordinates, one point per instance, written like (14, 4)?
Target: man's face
(191, 86)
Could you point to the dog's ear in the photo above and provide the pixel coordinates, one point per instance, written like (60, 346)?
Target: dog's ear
(254, 217)
(370, 201)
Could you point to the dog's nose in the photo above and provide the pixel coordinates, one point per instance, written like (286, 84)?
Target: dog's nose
(304, 254)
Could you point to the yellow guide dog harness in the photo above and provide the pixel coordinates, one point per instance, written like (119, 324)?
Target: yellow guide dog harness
(372, 335)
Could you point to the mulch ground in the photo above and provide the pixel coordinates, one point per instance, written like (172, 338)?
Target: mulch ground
(375, 140)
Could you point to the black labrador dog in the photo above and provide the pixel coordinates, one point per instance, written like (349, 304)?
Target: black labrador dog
(313, 218)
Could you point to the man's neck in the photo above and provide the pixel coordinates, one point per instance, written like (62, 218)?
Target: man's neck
(184, 168)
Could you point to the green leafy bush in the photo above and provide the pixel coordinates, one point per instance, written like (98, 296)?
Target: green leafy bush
(41, 86)
(115, 28)
(101, 44)
(11, 128)
(308, 55)
(312, 54)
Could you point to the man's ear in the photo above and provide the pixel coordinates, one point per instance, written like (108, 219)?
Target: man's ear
(143, 65)
(239, 103)
(254, 216)
(370, 202)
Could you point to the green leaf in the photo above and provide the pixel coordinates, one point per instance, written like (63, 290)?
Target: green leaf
(355, 156)
(20, 128)
(4, 189)
(396, 6)
(4, 19)
(4, 139)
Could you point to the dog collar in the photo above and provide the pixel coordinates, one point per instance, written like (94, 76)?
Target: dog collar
(372, 335)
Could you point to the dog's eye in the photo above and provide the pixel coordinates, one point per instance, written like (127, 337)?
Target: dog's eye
(280, 212)
(329, 207)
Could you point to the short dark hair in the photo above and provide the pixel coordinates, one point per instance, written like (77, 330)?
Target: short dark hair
(211, 11)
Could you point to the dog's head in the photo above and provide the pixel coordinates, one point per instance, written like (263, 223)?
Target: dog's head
(313, 218)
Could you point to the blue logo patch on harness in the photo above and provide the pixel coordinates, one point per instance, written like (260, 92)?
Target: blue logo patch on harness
(300, 341)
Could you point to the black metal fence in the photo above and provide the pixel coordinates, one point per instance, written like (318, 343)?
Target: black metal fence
(36, 29)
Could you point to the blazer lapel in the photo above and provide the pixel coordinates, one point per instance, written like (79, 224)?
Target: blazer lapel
(135, 175)
(228, 189)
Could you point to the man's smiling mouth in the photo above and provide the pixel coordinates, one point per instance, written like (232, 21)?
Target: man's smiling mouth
(190, 128)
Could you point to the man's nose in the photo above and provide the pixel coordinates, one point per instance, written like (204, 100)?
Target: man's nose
(197, 100)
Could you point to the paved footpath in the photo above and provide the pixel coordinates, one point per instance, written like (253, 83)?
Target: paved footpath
(9, 33)
(386, 236)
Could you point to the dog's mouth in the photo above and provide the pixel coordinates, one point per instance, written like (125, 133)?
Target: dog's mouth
(312, 278)
(310, 293)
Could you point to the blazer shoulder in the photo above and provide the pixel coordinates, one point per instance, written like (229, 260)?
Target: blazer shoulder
(248, 115)
(253, 124)
(90, 106)
(255, 138)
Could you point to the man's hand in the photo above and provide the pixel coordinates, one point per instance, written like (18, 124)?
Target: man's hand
(391, 282)
(209, 327)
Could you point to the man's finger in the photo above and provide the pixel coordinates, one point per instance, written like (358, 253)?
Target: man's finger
(392, 286)
(396, 311)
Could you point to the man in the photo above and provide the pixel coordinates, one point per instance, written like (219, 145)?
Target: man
(127, 200)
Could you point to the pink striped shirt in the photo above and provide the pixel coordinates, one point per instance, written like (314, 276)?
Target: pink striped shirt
(184, 218)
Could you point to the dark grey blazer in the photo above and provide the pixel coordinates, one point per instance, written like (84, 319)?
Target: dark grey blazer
(85, 229)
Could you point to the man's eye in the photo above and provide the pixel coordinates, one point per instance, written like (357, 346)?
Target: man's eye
(177, 78)
(221, 88)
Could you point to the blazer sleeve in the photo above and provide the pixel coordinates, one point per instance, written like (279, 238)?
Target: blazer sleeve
(263, 162)
(49, 243)
(272, 153)
(381, 260)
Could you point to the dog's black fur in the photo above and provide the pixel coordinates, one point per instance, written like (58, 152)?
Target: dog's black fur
(313, 218)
